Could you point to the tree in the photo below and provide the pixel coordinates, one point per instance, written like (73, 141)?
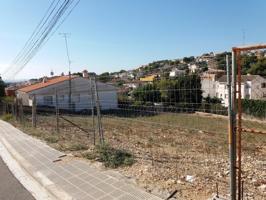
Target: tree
(184, 91)
(189, 59)
(221, 60)
(2, 87)
(258, 68)
(105, 77)
(147, 93)
(247, 61)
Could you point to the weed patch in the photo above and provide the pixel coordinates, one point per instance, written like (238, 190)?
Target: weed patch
(112, 157)
(7, 117)
(52, 139)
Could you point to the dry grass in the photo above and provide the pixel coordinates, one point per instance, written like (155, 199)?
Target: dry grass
(168, 147)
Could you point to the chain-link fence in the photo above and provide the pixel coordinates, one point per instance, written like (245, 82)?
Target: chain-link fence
(176, 131)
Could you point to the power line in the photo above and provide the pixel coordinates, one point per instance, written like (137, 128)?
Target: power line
(42, 33)
(36, 31)
(65, 36)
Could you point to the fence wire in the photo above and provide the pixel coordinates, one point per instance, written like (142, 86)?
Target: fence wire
(177, 136)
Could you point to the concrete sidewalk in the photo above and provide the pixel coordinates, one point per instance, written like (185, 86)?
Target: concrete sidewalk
(67, 179)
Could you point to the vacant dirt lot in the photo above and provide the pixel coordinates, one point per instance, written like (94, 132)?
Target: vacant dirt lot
(184, 152)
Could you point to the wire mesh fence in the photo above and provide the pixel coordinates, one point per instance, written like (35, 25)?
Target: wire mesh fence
(177, 136)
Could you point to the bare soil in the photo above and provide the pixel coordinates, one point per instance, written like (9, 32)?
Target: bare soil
(184, 152)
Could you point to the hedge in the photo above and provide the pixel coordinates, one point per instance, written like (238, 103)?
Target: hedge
(256, 108)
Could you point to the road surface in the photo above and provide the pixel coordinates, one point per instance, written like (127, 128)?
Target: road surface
(10, 187)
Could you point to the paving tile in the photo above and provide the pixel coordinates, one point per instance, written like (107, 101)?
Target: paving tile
(88, 197)
(105, 187)
(76, 177)
(98, 194)
(99, 175)
(92, 180)
(87, 188)
(110, 181)
(72, 169)
(107, 197)
(116, 193)
(80, 195)
(76, 181)
(128, 197)
(65, 174)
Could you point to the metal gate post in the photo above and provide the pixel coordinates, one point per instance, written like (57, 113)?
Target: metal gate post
(232, 124)
(239, 125)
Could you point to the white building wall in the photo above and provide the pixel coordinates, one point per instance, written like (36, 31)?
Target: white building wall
(208, 88)
(80, 98)
(222, 92)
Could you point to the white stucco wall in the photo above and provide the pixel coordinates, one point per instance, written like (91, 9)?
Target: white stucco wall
(208, 88)
(80, 98)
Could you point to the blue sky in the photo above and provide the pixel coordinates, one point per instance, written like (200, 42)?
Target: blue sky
(109, 35)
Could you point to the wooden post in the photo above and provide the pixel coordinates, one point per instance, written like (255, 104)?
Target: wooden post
(57, 111)
(21, 113)
(33, 111)
(13, 109)
(92, 110)
(4, 108)
(98, 113)
(16, 108)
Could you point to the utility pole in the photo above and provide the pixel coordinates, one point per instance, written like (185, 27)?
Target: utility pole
(244, 36)
(65, 36)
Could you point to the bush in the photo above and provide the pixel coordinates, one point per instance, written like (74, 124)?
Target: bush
(52, 139)
(77, 147)
(7, 117)
(256, 108)
(112, 157)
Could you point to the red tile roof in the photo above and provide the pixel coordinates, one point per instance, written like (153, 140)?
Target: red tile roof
(49, 82)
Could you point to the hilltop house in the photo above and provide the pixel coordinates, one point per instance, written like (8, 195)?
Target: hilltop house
(177, 72)
(209, 82)
(45, 93)
(252, 87)
(193, 68)
(150, 78)
(214, 84)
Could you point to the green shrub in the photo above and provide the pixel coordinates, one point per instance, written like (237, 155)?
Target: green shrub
(52, 139)
(112, 157)
(77, 147)
(90, 155)
(256, 108)
(7, 117)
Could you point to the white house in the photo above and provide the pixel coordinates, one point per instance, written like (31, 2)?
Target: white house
(193, 68)
(209, 82)
(177, 72)
(252, 87)
(45, 93)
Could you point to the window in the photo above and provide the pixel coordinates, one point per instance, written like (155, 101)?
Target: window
(263, 85)
(221, 95)
(48, 100)
(247, 96)
(225, 96)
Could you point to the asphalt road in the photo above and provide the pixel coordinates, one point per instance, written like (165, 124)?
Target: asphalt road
(10, 187)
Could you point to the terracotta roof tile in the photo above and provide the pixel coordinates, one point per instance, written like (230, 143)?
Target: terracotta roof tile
(45, 84)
